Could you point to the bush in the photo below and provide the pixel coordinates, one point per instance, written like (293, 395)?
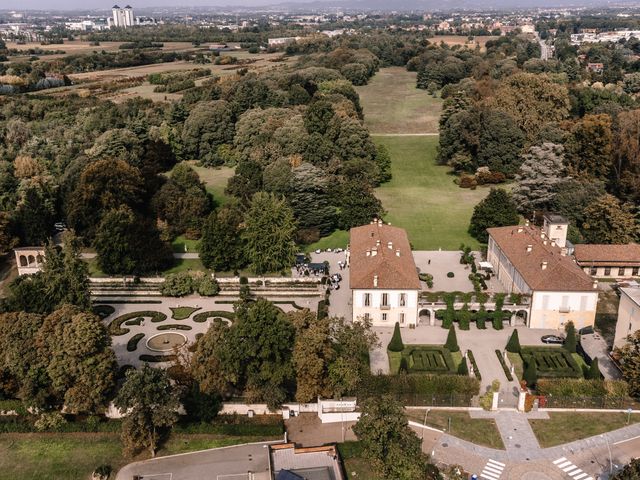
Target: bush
(481, 318)
(472, 359)
(594, 371)
(53, 421)
(115, 327)
(497, 320)
(103, 311)
(462, 368)
(450, 275)
(102, 472)
(178, 285)
(157, 358)
(175, 327)
(132, 343)
(204, 316)
(464, 317)
(427, 278)
(573, 387)
(513, 345)
(506, 370)
(396, 345)
(323, 309)
(452, 341)
(208, 287)
(424, 385)
(570, 342)
(530, 373)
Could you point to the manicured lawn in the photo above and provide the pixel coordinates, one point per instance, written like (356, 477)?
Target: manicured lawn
(422, 198)
(563, 427)
(178, 245)
(393, 104)
(183, 265)
(482, 431)
(180, 313)
(356, 466)
(338, 239)
(518, 365)
(73, 456)
(215, 180)
(94, 269)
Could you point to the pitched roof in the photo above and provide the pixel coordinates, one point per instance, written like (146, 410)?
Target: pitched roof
(561, 272)
(608, 255)
(382, 251)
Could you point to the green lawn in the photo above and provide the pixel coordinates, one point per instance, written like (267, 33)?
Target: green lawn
(73, 456)
(356, 466)
(339, 238)
(563, 427)
(422, 198)
(393, 104)
(183, 265)
(215, 180)
(179, 243)
(182, 313)
(482, 431)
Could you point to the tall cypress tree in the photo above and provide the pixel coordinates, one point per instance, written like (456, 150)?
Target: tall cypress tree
(513, 345)
(452, 341)
(571, 341)
(396, 345)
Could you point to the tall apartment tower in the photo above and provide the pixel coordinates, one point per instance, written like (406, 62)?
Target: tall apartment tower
(122, 17)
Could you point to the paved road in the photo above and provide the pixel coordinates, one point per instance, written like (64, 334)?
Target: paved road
(234, 462)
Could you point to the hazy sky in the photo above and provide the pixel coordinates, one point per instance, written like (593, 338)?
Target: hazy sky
(107, 4)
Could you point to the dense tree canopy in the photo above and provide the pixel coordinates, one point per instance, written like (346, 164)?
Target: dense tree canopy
(496, 210)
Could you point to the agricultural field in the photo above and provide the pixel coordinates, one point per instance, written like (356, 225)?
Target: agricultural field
(422, 198)
(393, 105)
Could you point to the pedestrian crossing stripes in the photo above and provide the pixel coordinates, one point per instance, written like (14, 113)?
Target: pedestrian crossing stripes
(492, 470)
(570, 469)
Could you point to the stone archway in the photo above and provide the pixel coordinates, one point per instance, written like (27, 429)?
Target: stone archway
(427, 316)
(29, 259)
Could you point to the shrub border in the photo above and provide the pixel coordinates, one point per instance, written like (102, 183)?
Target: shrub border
(504, 365)
(132, 343)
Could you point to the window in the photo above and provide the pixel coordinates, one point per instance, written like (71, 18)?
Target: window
(367, 299)
(385, 300)
(384, 317)
(583, 302)
(403, 299)
(593, 272)
(621, 271)
(634, 271)
(607, 271)
(545, 302)
(401, 318)
(366, 316)
(564, 305)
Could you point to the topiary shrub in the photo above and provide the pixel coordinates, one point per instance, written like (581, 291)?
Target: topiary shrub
(396, 345)
(570, 343)
(132, 344)
(513, 345)
(531, 373)
(462, 368)
(481, 317)
(208, 287)
(594, 371)
(452, 340)
(450, 275)
(464, 317)
(178, 285)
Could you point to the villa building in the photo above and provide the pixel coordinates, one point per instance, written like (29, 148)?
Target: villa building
(628, 315)
(609, 261)
(383, 277)
(534, 261)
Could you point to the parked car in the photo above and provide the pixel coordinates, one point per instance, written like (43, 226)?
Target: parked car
(60, 226)
(335, 286)
(318, 251)
(552, 339)
(586, 330)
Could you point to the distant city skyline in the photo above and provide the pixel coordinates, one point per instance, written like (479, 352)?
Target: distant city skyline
(106, 6)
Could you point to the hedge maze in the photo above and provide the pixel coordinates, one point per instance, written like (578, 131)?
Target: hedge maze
(552, 362)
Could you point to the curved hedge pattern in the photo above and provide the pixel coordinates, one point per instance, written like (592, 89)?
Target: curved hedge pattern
(204, 316)
(132, 344)
(174, 327)
(115, 327)
(156, 358)
(103, 311)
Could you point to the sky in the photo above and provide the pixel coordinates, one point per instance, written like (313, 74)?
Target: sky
(105, 5)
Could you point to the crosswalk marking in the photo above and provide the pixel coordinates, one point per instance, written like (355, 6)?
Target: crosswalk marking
(492, 470)
(570, 469)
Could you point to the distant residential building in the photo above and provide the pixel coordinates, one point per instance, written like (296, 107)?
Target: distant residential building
(122, 17)
(628, 315)
(533, 261)
(609, 261)
(383, 276)
(275, 42)
(595, 67)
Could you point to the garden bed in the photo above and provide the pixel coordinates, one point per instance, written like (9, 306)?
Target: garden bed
(182, 313)
(204, 316)
(132, 344)
(552, 362)
(434, 359)
(115, 327)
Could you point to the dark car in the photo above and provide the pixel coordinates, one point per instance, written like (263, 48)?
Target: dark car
(553, 339)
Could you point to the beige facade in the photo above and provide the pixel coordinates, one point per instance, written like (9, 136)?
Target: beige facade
(29, 259)
(385, 307)
(628, 315)
(555, 309)
(612, 272)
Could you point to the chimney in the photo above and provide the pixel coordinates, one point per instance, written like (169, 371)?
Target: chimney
(529, 248)
(544, 265)
(553, 243)
(375, 280)
(520, 229)
(390, 245)
(526, 223)
(377, 243)
(374, 252)
(595, 284)
(543, 235)
(398, 252)
(544, 242)
(368, 253)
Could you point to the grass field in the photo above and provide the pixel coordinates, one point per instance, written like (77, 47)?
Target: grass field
(563, 427)
(422, 198)
(452, 40)
(393, 104)
(215, 179)
(482, 431)
(73, 456)
(339, 238)
(179, 243)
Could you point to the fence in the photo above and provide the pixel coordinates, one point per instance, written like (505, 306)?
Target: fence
(422, 400)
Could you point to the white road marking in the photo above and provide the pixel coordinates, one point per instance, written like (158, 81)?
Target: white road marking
(492, 470)
(560, 460)
(626, 440)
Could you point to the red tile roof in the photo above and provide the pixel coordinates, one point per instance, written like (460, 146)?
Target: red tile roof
(608, 255)
(561, 273)
(394, 267)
